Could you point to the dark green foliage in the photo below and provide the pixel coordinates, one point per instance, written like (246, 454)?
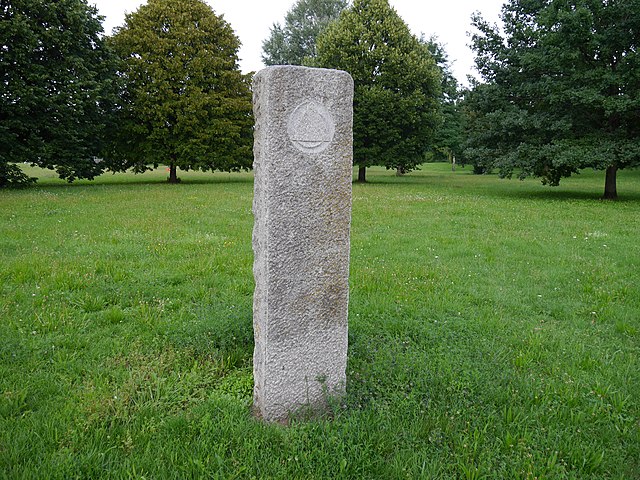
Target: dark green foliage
(562, 89)
(184, 101)
(397, 84)
(57, 87)
(12, 176)
(295, 42)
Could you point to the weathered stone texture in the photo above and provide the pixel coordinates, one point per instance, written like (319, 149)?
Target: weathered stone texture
(302, 208)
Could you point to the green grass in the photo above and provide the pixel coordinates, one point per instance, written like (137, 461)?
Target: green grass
(494, 332)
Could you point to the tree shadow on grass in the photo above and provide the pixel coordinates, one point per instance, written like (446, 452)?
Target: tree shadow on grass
(560, 195)
(510, 189)
(135, 181)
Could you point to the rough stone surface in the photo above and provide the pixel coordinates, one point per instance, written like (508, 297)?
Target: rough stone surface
(302, 207)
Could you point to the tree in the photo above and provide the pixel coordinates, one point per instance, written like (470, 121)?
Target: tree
(397, 85)
(295, 43)
(183, 101)
(448, 138)
(57, 88)
(561, 89)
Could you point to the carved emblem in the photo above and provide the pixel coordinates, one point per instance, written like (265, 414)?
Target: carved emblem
(311, 127)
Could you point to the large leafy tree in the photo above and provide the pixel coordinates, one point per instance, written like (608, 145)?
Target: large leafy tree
(295, 42)
(57, 88)
(397, 84)
(184, 101)
(561, 89)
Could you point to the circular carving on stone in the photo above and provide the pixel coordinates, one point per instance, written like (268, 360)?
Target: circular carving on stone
(311, 127)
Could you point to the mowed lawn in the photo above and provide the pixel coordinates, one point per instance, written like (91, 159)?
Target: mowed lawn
(494, 331)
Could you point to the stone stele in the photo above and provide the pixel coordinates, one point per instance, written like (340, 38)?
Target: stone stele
(302, 207)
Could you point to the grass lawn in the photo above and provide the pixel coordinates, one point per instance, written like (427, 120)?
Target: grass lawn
(494, 332)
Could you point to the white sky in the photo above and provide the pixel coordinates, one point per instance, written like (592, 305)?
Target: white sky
(449, 20)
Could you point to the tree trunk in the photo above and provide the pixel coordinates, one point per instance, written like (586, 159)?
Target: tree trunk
(610, 191)
(400, 172)
(453, 163)
(362, 174)
(173, 173)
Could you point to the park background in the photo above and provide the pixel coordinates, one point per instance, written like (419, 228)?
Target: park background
(493, 324)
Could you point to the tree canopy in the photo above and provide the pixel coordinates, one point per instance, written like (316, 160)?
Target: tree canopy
(561, 89)
(57, 88)
(295, 42)
(184, 101)
(397, 84)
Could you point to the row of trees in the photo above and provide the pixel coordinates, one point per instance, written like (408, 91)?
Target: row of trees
(165, 88)
(560, 88)
(559, 91)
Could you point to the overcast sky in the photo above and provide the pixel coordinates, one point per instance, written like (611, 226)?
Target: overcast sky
(449, 20)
